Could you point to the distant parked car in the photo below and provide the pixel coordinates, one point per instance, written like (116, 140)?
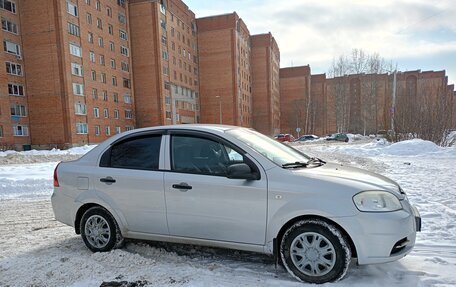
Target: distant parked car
(285, 138)
(338, 137)
(233, 187)
(305, 138)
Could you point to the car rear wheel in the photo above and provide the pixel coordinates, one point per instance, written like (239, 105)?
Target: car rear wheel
(315, 251)
(99, 231)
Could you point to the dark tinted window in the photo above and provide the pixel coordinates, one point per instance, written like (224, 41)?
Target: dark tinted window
(137, 153)
(202, 156)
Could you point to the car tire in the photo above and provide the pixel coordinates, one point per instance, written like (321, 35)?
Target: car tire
(346, 140)
(99, 230)
(315, 251)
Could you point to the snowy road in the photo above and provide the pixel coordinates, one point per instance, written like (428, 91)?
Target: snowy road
(35, 250)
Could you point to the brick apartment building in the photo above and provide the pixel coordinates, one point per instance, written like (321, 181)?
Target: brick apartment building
(362, 103)
(165, 62)
(68, 73)
(225, 70)
(14, 109)
(265, 60)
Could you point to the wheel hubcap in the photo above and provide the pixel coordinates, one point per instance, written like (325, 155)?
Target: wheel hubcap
(313, 254)
(97, 231)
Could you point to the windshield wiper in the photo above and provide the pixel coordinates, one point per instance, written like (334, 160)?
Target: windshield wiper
(316, 160)
(295, 164)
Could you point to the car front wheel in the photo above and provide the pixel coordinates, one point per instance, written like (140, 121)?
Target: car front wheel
(315, 251)
(99, 230)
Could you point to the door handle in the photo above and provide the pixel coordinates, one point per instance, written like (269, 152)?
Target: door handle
(182, 186)
(108, 180)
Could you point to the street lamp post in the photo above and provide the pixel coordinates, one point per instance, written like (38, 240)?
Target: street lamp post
(220, 108)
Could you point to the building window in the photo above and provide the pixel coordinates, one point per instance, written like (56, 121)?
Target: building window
(127, 99)
(165, 55)
(1, 131)
(111, 46)
(113, 63)
(94, 94)
(94, 75)
(72, 9)
(121, 3)
(98, 5)
(15, 90)
(114, 81)
(126, 83)
(125, 67)
(89, 18)
(9, 26)
(100, 42)
(20, 131)
(118, 130)
(96, 112)
(75, 50)
(124, 51)
(92, 56)
(12, 48)
(102, 60)
(78, 89)
(80, 109)
(76, 69)
(18, 110)
(8, 5)
(99, 23)
(90, 37)
(123, 35)
(97, 130)
(106, 113)
(129, 128)
(110, 29)
(128, 114)
(115, 97)
(88, 2)
(122, 18)
(103, 78)
(13, 69)
(73, 29)
(109, 11)
(166, 71)
(105, 96)
(108, 130)
(116, 114)
(81, 128)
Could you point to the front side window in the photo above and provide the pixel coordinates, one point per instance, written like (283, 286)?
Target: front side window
(137, 153)
(199, 155)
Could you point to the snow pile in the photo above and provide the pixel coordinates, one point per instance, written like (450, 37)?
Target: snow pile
(35, 156)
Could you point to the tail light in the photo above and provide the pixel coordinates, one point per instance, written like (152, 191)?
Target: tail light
(56, 179)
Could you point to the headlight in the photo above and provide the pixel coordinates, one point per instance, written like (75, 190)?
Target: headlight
(376, 201)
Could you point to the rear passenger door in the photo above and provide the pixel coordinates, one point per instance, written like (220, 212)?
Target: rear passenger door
(130, 180)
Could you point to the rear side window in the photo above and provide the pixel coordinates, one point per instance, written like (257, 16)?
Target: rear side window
(136, 153)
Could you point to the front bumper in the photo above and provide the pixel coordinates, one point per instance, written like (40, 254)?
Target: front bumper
(383, 237)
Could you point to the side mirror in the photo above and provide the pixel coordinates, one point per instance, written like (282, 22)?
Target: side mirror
(241, 171)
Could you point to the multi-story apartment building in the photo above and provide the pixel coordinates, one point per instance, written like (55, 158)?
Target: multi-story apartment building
(295, 88)
(225, 70)
(78, 70)
(265, 60)
(164, 42)
(14, 109)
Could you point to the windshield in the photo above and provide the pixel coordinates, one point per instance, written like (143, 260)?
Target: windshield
(277, 152)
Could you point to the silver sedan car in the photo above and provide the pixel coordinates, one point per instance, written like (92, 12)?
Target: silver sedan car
(232, 187)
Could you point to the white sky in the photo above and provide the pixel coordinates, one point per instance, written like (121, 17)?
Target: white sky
(416, 34)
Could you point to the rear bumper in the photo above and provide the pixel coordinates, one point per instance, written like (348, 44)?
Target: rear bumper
(383, 237)
(63, 207)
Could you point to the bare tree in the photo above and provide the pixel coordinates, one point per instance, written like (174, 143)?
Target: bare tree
(367, 67)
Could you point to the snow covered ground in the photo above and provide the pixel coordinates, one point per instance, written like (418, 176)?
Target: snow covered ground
(35, 250)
